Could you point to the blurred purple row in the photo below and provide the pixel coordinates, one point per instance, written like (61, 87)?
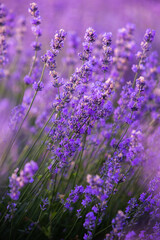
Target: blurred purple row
(102, 15)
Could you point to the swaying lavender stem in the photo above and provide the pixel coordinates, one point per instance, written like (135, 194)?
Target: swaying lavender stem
(79, 163)
(72, 228)
(34, 60)
(104, 229)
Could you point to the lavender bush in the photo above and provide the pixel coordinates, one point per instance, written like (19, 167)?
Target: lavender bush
(79, 146)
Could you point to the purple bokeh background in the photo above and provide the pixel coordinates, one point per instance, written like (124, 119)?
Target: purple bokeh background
(103, 15)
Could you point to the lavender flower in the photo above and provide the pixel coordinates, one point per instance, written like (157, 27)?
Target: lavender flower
(16, 117)
(36, 21)
(3, 36)
(49, 57)
(38, 86)
(145, 45)
(73, 43)
(107, 58)
(58, 41)
(89, 225)
(123, 51)
(25, 176)
(90, 35)
(33, 10)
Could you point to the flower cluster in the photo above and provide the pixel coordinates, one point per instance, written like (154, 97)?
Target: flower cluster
(3, 39)
(145, 45)
(90, 37)
(49, 58)
(36, 21)
(107, 58)
(123, 51)
(16, 182)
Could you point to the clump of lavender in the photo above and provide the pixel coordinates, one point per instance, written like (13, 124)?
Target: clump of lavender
(107, 57)
(145, 46)
(123, 51)
(90, 132)
(73, 43)
(3, 39)
(49, 58)
(89, 37)
(36, 45)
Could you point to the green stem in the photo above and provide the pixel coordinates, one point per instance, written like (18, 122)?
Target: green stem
(71, 229)
(39, 135)
(103, 230)
(4, 157)
(81, 155)
(33, 63)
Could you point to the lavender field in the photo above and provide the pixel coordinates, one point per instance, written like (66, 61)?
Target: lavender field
(80, 120)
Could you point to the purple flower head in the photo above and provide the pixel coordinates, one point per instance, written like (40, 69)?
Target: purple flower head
(38, 86)
(140, 83)
(11, 209)
(94, 180)
(130, 236)
(31, 167)
(4, 33)
(33, 10)
(142, 197)
(90, 35)
(107, 51)
(132, 205)
(10, 23)
(36, 21)
(28, 172)
(14, 184)
(123, 52)
(146, 43)
(88, 236)
(85, 71)
(90, 220)
(37, 31)
(3, 14)
(87, 50)
(58, 41)
(74, 197)
(122, 33)
(28, 80)
(57, 81)
(36, 46)
(118, 223)
(2, 73)
(95, 209)
(49, 59)
(134, 68)
(149, 35)
(107, 39)
(17, 182)
(16, 117)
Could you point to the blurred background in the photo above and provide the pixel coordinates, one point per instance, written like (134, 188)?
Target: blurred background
(103, 15)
